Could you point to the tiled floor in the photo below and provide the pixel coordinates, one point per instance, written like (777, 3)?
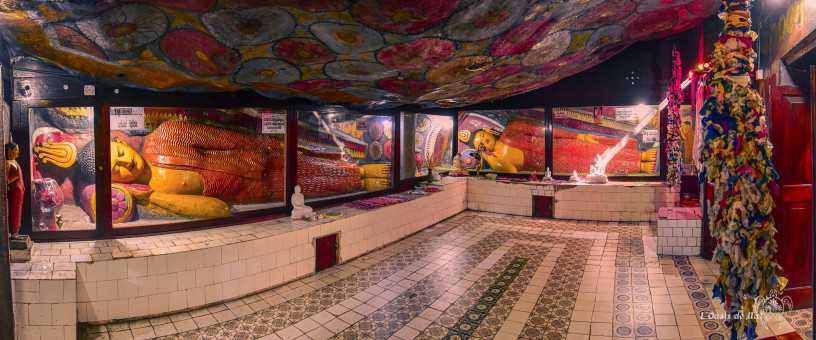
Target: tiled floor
(480, 276)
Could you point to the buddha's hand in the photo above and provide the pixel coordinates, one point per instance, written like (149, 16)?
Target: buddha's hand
(375, 171)
(374, 184)
(192, 206)
(587, 138)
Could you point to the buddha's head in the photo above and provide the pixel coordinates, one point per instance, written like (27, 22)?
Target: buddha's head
(484, 138)
(12, 151)
(126, 164)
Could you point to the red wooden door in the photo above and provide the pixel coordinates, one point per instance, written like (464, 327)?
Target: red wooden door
(790, 134)
(325, 252)
(707, 243)
(543, 206)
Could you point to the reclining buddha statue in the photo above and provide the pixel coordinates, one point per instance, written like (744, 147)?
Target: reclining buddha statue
(197, 170)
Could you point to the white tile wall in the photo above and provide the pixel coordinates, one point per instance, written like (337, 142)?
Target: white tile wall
(45, 309)
(136, 287)
(500, 197)
(612, 202)
(678, 237)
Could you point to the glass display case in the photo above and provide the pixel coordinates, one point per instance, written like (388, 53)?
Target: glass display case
(510, 141)
(342, 153)
(175, 164)
(581, 133)
(426, 140)
(59, 139)
(176, 168)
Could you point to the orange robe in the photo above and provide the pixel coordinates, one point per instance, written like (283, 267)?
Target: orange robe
(241, 168)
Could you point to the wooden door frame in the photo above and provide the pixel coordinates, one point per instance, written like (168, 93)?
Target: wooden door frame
(798, 293)
(813, 170)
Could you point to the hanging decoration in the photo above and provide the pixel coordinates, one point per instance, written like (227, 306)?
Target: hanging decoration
(736, 157)
(673, 154)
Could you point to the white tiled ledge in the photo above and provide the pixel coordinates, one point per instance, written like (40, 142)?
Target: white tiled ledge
(197, 268)
(614, 201)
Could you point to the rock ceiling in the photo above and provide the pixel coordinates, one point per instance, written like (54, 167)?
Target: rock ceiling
(365, 53)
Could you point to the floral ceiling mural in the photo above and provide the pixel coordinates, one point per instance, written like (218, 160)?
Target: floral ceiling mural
(366, 53)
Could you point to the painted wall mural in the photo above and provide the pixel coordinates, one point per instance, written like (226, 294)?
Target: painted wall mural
(512, 141)
(580, 133)
(366, 53)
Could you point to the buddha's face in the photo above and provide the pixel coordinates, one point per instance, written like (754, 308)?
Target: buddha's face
(126, 164)
(13, 153)
(486, 139)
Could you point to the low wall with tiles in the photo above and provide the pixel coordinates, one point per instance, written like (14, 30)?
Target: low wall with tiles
(620, 201)
(153, 275)
(606, 202)
(45, 309)
(500, 197)
(679, 231)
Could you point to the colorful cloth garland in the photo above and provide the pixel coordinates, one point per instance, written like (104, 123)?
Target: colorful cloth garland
(737, 162)
(675, 96)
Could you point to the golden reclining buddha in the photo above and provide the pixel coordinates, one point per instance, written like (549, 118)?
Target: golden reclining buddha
(197, 170)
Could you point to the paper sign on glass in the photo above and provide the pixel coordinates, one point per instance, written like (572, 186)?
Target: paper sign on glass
(651, 136)
(362, 124)
(273, 122)
(127, 118)
(625, 113)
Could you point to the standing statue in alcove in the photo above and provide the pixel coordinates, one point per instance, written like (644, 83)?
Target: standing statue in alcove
(14, 190)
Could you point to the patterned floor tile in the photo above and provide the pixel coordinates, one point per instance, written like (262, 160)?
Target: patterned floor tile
(430, 281)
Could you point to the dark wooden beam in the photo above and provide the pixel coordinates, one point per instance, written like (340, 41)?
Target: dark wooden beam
(6, 305)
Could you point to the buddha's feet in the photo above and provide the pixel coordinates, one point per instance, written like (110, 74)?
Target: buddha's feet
(649, 155)
(375, 184)
(375, 171)
(647, 167)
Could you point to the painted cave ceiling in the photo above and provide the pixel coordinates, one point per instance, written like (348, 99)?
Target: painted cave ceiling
(365, 53)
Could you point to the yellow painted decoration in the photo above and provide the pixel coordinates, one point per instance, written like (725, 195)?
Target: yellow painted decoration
(61, 154)
(51, 15)
(578, 40)
(181, 18)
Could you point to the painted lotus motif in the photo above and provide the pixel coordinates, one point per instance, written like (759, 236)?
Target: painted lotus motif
(365, 53)
(303, 51)
(126, 27)
(249, 26)
(199, 53)
(417, 54)
(347, 39)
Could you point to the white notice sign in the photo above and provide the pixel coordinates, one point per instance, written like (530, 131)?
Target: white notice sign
(273, 122)
(651, 136)
(362, 124)
(560, 114)
(625, 113)
(127, 118)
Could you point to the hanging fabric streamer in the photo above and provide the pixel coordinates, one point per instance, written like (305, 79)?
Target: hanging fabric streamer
(736, 155)
(675, 96)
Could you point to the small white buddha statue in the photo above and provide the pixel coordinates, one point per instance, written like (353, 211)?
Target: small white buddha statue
(574, 177)
(547, 176)
(299, 208)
